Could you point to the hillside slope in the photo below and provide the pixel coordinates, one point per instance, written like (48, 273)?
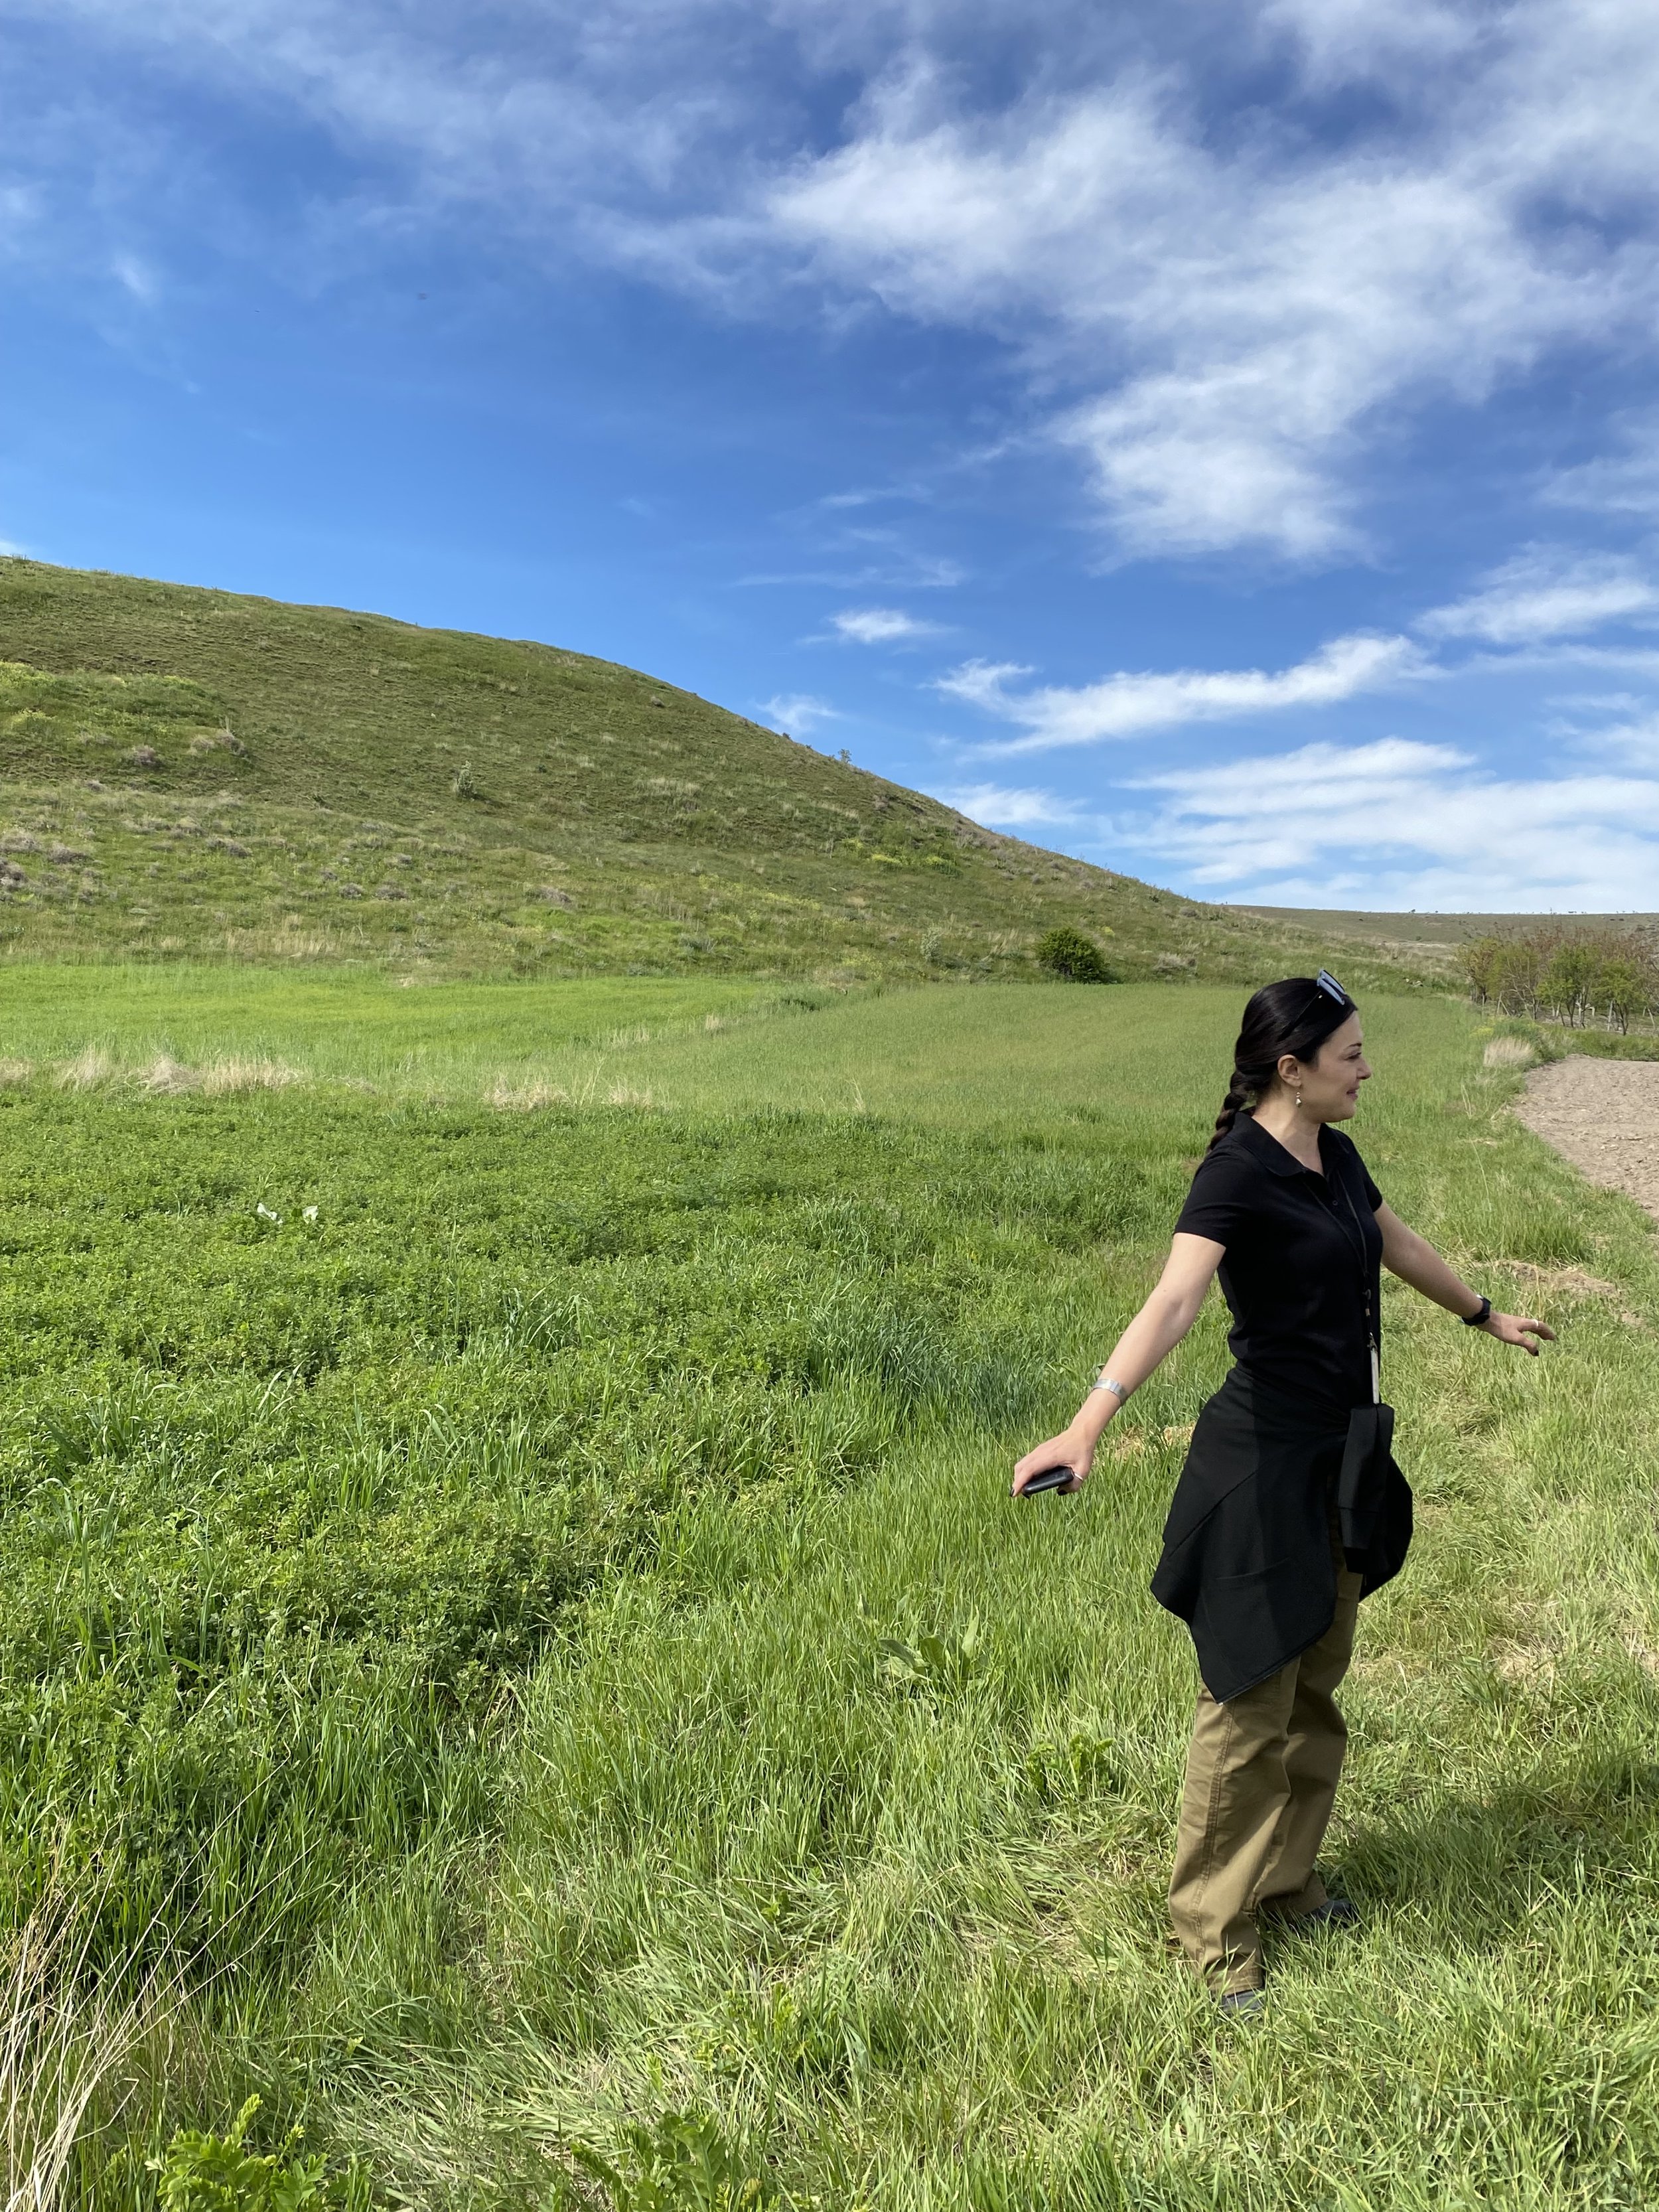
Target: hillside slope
(195, 772)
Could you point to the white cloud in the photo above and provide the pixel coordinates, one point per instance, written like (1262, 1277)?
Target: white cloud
(1623, 482)
(797, 712)
(1248, 315)
(1635, 743)
(1125, 705)
(1397, 824)
(1003, 808)
(136, 278)
(1229, 304)
(1546, 593)
(901, 570)
(1343, 39)
(879, 625)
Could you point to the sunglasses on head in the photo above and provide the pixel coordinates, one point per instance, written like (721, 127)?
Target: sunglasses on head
(1326, 986)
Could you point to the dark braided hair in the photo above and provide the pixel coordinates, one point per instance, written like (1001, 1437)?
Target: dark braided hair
(1295, 1017)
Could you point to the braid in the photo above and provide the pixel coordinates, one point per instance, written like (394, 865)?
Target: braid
(1238, 1095)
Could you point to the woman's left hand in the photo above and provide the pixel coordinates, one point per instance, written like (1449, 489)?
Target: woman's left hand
(1508, 1328)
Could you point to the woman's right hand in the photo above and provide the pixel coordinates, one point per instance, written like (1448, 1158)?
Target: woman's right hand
(1068, 1451)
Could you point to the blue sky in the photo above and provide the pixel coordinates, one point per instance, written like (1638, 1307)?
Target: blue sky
(1217, 438)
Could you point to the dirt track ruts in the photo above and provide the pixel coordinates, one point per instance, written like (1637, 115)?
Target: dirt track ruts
(1603, 1116)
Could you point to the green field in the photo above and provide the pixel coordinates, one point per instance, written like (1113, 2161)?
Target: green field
(719, 1045)
(535, 1658)
(254, 1027)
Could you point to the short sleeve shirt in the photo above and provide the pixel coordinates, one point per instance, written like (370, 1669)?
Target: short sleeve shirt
(1301, 1272)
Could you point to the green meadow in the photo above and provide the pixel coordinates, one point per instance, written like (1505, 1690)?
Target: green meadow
(712, 1044)
(518, 1654)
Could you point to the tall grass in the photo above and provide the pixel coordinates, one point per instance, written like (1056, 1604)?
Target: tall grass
(62, 2039)
(550, 1636)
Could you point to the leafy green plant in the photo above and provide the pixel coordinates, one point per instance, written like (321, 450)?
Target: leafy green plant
(680, 2162)
(1080, 1766)
(939, 1665)
(204, 2172)
(1074, 957)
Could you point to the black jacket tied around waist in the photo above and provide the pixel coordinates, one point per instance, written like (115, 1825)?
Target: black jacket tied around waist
(1249, 1562)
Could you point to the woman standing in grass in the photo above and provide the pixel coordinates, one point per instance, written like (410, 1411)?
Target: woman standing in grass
(1290, 1508)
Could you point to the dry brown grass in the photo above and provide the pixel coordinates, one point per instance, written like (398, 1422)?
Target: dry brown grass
(1508, 1052)
(88, 1070)
(1571, 1283)
(526, 1097)
(220, 1078)
(223, 1077)
(167, 1077)
(60, 2045)
(290, 942)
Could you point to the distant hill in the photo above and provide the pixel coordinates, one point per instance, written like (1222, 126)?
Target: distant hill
(1437, 937)
(194, 773)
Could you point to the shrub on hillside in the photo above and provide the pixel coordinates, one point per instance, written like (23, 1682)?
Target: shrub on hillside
(1074, 957)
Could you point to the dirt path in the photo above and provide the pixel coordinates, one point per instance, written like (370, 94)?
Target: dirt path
(1603, 1116)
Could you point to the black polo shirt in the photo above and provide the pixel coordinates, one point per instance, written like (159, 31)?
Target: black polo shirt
(1303, 1251)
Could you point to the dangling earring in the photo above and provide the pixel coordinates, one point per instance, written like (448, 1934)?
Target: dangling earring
(1298, 1101)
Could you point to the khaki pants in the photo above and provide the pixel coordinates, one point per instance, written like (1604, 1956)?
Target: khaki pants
(1262, 1778)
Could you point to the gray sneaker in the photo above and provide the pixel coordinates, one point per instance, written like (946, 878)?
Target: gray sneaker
(1244, 2004)
(1334, 1912)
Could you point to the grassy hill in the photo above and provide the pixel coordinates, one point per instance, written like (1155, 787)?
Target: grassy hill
(193, 772)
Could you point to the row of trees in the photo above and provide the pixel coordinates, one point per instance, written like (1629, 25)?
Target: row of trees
(1573, 976)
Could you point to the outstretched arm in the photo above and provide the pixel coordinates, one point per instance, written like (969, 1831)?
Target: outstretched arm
(1149, 1340)
(1415, 1260)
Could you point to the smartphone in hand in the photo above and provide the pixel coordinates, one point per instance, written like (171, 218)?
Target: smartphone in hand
(1049, 1478)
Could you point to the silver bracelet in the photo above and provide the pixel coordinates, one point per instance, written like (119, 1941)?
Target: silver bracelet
(1105, 1382)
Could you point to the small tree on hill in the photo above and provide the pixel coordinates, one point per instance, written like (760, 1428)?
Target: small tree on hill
(1074, 957)
(1567, 984)
(1624, 989)
(1482, 957)
(1569, 975)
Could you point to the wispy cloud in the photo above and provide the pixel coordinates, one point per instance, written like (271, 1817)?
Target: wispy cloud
(1622, 482)
(1005, 809)
(879, 626)
(1397, 823)
(902, 571)
(1244, 317)
(1228, 324)
(1634, 743)
(1125, 705)
(796, 712)
(1548, 591)
(136, 278)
